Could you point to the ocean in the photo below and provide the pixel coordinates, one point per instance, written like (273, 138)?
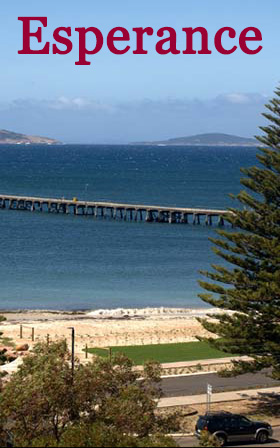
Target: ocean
(61, 262)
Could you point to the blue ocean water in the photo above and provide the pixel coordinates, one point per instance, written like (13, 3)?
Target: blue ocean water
(50, 261)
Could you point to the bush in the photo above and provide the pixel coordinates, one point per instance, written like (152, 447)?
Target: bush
(209, 440)
(105, 403)
(3, 358)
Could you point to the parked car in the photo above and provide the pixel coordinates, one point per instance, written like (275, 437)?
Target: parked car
(229, 427)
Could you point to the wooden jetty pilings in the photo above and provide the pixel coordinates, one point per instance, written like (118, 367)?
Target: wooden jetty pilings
(113, 210)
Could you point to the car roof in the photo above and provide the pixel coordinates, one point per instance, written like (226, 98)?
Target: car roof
(214, 414)
(217, 413)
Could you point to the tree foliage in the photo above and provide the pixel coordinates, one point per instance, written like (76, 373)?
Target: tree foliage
(2, 319)
(248, 284)
(3, 358)
(104, 404)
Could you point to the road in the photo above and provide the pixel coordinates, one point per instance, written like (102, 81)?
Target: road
(196, 384)
(192, 441)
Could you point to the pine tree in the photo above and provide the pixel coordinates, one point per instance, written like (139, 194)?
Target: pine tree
(248, 284)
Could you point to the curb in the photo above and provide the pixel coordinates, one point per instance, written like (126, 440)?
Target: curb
(178, 435)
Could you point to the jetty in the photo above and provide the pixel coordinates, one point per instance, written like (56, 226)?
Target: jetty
(114, 210)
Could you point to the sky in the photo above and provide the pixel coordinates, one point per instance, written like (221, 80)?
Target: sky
(120, 99)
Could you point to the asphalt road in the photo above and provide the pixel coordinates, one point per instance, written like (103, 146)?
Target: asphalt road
(196, 384)
(193, 442)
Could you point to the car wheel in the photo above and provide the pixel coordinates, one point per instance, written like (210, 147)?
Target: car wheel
(262, 437)
(222, 439)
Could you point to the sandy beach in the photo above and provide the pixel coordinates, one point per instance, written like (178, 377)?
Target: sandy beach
(104, 328)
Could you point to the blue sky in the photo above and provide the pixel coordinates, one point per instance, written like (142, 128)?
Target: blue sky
(137, 97)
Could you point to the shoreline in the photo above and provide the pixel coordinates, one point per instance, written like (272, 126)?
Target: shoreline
(109, 314)
(107, 328)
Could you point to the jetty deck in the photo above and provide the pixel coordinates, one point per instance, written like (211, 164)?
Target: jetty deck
(114, 210)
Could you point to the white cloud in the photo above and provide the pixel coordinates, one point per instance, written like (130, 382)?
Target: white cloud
(79, 103)
(86, 120)
(243, 98)
(238, 98)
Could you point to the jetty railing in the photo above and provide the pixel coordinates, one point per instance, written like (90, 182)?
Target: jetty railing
(114, 210)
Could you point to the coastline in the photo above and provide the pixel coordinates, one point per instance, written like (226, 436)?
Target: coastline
(107, 328)
(108, 314)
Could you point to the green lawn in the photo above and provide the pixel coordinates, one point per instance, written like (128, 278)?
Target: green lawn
(189, 351)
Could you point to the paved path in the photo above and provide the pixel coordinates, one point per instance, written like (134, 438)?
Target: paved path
(196, 384)
(216, 398)
(193, 442)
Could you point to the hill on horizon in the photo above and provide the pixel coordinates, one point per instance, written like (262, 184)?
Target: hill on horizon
(208, 139)
(14, 138)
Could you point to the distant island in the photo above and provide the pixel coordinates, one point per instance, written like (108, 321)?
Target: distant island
(211, 139)
(14, 138)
